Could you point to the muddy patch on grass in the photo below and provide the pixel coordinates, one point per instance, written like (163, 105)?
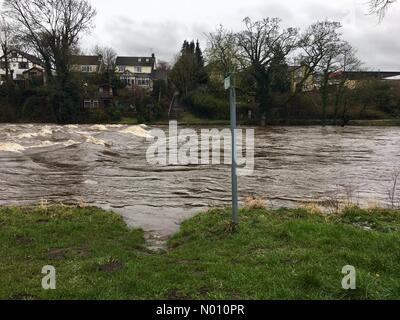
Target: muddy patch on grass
(82, 252)
(64, 253)
(43, 221)
(175, 294)
(204, 292)
(57, 254)
(111, 266)
(23, 240)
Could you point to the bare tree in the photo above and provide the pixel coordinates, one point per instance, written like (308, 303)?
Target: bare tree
(258, 45)
(222, 50)
(7, 41)
(380, 7)
(52, 28)
(320, 46)
(315, 46)
(108, 55)
(347, 61)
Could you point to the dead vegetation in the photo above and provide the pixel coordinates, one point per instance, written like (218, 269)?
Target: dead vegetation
(393, 194)
(254, 203)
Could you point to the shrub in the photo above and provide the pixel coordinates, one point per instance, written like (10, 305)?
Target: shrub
(8, 113)
(303, 106)
(207, 106)
(37, 108)
(149, 112)
(98, 115)
(114, 113)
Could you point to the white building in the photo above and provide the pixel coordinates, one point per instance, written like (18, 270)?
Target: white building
(394, 78)
(136, 71)
(21, 66)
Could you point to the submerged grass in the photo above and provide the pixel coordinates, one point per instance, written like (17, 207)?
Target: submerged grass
(281, 254)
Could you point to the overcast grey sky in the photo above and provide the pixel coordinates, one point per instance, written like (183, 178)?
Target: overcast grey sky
(140, 27)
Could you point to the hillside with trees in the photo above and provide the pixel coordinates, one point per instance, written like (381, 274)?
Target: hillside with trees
(284, 74)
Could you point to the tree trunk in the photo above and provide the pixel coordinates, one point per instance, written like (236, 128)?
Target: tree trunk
(324, 93)
(6, 61)
(363, 109)
(263, 93)
(324, 97)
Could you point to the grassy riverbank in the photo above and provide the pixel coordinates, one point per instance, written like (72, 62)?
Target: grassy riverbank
(188, 119)
(283, 254)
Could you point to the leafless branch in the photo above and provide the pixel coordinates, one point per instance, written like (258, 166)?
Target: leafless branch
(380, 7)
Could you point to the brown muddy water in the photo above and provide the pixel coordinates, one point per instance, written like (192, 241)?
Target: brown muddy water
(106, 166)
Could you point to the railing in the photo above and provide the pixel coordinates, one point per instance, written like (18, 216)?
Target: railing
(176, 94)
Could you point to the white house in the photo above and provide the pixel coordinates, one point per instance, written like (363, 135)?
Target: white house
(136, 71)
(21, 66)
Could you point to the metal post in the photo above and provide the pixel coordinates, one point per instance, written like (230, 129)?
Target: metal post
(234, 150)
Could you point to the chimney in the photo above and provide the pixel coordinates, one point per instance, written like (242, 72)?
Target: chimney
(153, 56)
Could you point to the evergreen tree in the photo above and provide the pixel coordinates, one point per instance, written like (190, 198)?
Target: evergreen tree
(199, 55)
(185, 48)
(189, 71)
(278, 71)
(192, 47)
(201, 74)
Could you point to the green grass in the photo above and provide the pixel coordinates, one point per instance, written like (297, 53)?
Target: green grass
(188, 118)
(283, 254)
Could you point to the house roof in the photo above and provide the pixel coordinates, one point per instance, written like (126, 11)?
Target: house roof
(371, 75)
(127, 73)
(135, 61)
(34, 68)
(86, 60)
(30, 57)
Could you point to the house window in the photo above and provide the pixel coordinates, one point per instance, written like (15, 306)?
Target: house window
(147, 60)
(23, 65)
(143, 82)
(87, 104)
(140, 59)
(121, 68)
(2, 64)
(95, 103)
(87, 68)
(138, 69)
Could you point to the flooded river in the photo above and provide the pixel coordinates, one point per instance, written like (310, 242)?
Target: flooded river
(106, 166)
